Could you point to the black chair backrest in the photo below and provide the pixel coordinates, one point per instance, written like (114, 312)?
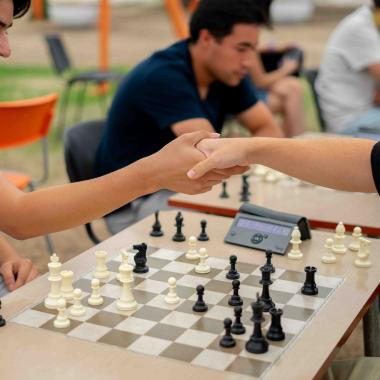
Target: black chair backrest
(58, 53)
(311, 76)
(80, 145)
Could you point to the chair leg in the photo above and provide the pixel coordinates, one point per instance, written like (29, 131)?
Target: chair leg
(371, 330)
(81, 97)
(91, 233)
(63, 109)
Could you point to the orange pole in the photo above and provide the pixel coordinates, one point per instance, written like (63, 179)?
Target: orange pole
(193, 5)
(178, 17)
(38, 9)
(104, 26)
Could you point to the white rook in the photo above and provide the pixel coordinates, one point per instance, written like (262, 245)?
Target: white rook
(100, 270)
(67, 284)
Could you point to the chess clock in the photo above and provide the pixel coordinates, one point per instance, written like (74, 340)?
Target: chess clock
(264, 229)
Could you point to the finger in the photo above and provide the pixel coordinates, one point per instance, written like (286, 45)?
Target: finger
(197, 136)
(24, 269)
(32, 274)
(6, 271)
(201, 169)
(235, 170)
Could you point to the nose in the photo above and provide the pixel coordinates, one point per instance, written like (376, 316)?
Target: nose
(248, 59)
(5, 50)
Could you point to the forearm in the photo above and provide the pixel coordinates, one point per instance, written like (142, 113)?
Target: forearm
(339, 163)
(57, 208)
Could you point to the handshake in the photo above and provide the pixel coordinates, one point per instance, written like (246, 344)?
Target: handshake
(195, 162)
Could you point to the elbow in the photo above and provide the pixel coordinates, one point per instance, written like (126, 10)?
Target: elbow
(17, 232)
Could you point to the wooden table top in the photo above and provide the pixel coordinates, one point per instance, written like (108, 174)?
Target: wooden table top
(30, 353)
(324, 208)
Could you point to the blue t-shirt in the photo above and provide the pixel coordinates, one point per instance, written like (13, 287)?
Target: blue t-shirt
(156, 94)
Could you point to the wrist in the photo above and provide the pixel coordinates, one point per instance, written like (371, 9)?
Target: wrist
(148, 174)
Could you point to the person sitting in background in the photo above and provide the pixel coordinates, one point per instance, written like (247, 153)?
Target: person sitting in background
(348, 84)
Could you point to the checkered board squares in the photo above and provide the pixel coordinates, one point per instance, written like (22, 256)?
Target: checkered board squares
(175, 331)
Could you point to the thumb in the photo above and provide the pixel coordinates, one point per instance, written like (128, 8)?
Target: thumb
(200, 169)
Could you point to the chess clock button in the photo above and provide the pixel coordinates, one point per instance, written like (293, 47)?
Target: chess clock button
(257, 238)
(265, 236)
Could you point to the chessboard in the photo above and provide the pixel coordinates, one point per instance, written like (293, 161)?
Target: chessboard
(177, 332)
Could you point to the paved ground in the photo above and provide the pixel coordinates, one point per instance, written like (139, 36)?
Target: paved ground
(136, 32)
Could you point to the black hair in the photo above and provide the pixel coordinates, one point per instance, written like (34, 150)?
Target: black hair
(20, 7)
(376, 3)
(220, 16)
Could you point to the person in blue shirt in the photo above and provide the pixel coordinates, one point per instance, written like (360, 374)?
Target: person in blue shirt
(192, 85)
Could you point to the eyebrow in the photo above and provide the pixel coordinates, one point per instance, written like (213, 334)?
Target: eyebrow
(248, 45)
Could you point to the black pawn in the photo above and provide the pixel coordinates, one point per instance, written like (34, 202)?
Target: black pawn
(200, 306)
(2, 320)
(203, 235)
(244, 197)
(156, 228)
(233, 274)
(268, 264)
(257, 344)
(179, 236)
(275, 332)
(224, 193)
(237, 327)
(227, 340)
(235, 299)
(310, 287)
(140, 258)
(266, 281)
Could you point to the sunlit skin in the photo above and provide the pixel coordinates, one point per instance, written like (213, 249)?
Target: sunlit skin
(6, 16)
(227, 60)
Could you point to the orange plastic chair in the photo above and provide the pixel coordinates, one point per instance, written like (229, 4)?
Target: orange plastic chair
(24, 122)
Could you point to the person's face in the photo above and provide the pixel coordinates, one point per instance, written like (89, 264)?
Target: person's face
(6, 17)
(229, 59)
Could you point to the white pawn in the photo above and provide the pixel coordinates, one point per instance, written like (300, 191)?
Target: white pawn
(295, 253)
(67, 284)
(126, 300)
(192, 253)
(61, 321)
(356, 234)
(77, 310)
(339, 246)
(171, 298)
(362, 260)
(95, 299)
(329, 258)
(51, 301)
(202, 267)
(260, 170)
(100, 270)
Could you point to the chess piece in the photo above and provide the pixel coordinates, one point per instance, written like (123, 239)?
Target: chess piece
(260, 170)
(77, 310)
(266, 281)
(179, 236)
(203, 235)
(232, 274)
(227, 340)
(235, 299)
(268, 264)
(338, 246)
(61, 321)
(156, 228)
(224, 193)
(295, 253)
(275, 331)
(237, 327)
(51, 301)
(125, 256)
(172, 298)
(362, 260)
(192, 253)
(244, 196)
(95, 298)
(67, 285)
(309, 287)
(202, 267)
(126, 300)
(257, 344)
(200, 306)
(356, 234)
(100, 271)
(329, 257)
(140, 258)
(271, 177)
(2, 320)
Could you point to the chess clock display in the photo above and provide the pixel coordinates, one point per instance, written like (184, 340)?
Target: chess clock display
(264, 229)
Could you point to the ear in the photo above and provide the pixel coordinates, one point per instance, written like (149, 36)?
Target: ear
(205, 37)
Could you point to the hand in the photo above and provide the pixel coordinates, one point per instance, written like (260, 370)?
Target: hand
(376, 98)
(17, 272)
(221, 154)
(289, 66)
(174, 160)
